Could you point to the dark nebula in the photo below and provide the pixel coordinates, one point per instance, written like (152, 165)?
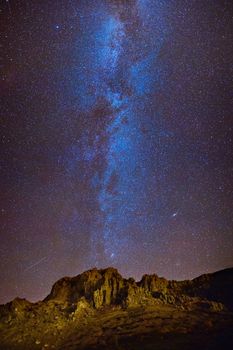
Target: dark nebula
(116, 139)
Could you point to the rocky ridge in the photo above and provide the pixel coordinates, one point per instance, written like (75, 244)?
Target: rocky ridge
(106, 287)
(75, 302)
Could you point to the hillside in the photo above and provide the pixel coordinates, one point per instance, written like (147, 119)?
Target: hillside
(99, 309)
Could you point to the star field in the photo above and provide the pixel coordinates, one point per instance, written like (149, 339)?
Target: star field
(116, 139)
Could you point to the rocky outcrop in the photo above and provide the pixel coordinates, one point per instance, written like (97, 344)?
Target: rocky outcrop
(98, 287)
(102, 287)
(105, 287)
(17, 308)
(153, 283)
(79, 302)
(210, 290)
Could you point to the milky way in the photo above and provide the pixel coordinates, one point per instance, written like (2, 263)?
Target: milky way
(116, 138)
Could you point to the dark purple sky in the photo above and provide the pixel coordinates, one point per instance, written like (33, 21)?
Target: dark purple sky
(116, 139)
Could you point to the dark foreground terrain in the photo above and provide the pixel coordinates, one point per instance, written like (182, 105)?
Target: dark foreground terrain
(99, 309)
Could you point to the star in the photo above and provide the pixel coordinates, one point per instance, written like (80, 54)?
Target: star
(117, 139)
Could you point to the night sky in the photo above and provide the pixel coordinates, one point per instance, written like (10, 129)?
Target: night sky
(116, 139)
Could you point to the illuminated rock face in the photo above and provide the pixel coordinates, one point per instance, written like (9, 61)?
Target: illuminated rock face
(98, 308)
(99, 287)
(105, 287)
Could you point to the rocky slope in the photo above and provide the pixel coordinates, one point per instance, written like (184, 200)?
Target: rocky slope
(99, 309)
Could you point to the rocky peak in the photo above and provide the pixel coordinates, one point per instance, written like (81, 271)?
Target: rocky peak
(153, 283)
(99, 287)
(98, 304)
(107, 287)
